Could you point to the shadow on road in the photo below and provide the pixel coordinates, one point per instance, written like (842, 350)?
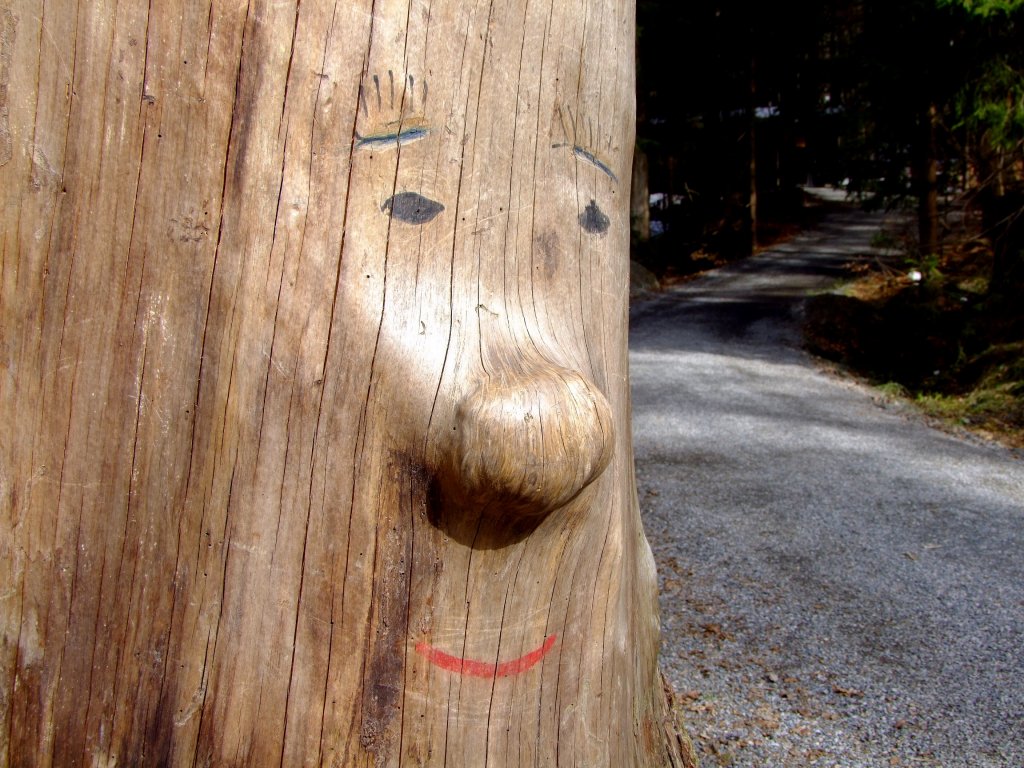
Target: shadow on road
(841, 584)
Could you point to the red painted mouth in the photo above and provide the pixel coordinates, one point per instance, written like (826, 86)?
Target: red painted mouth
(482, 668)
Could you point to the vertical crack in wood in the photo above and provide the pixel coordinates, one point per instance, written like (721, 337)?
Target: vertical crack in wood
(402, 489)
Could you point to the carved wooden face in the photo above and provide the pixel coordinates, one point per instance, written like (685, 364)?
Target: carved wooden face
(476, 467)
(485, 238)
(492, 230)
(482, 232)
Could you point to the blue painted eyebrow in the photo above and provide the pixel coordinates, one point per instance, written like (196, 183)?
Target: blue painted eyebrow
(591, 158)
(382, 140)
(595, 161)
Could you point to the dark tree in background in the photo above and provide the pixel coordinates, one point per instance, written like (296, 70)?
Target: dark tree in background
(915, 105)
(727, 96)
(989, 110)
(909, 55)
(907, 100)
(937, 107)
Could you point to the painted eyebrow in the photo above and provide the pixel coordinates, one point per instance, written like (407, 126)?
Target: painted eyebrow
(596, 161)
(590, 157)
(391, 139)
(571, 130)
(392, 134)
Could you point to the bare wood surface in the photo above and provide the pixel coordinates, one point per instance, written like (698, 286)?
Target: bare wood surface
(317, 445)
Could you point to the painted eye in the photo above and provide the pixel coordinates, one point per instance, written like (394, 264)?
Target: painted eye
(414, 208)
(594, 220)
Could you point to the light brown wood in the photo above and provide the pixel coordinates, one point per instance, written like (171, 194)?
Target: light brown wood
(316, 444)
(526, 442)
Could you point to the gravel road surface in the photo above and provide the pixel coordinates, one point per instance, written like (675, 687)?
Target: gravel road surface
(842, 584)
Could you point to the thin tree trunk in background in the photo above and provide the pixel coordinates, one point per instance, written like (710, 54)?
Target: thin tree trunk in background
(316, 443)
(928, 187)
(1001, 197)
(640, 198)
(1005, 217)
(752, 147)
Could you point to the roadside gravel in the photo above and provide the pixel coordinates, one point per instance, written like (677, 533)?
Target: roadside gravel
(842, 584)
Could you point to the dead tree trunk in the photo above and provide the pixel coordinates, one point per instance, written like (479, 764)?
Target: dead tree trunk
(316, 443)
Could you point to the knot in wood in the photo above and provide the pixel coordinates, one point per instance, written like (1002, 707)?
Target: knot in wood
(528, 443)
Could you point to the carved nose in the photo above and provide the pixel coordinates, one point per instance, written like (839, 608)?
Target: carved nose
(526, 443)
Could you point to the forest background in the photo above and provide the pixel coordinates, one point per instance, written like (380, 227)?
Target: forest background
(917, 106)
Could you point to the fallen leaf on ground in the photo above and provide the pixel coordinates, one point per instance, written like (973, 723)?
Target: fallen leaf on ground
(852, 693)
(716, 631)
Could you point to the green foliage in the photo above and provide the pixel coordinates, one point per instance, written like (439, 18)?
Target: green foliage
(886, 240)
(893, 390)
(994, 103)
(995, 404)
(927, 265)
(985, 8)
(941, 344)
(990, 100)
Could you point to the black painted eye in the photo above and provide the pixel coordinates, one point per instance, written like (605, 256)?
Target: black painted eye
(413, 208)
(593, 219)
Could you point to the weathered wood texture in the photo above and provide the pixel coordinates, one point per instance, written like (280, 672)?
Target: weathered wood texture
(316, 442)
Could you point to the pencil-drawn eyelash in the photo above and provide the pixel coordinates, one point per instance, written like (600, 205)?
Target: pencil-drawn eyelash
(571, 130)
(404, 122)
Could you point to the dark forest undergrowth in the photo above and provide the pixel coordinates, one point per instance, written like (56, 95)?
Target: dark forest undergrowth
(931, 330)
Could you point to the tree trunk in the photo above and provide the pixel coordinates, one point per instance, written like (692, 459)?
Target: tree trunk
(1001, 198)
(317, 438)
(928, 184)
(1004, 222)
(751, 245)
(640, 198)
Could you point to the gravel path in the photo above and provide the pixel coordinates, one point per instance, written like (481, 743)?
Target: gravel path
(842, 585)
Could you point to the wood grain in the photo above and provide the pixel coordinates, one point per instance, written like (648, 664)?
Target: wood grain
(281, 283)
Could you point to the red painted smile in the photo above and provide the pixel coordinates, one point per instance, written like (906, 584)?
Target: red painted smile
(482, 668)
